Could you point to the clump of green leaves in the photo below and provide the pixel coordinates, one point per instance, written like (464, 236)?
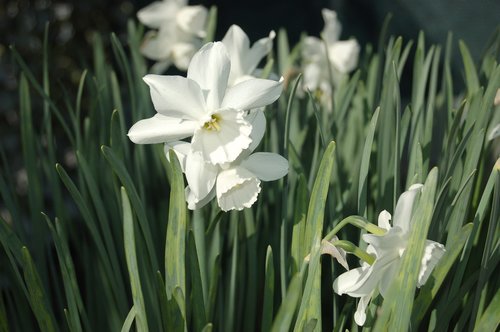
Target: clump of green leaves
(109, 243)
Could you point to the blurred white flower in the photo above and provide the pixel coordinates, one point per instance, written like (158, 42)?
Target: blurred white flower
(237, 184)
(341, 56)
(245, 59)
(388, 249)
(202, 106)
(179, 35)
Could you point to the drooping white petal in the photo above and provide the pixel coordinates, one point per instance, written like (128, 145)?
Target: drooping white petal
(194, 203)
(266, 166)
(360, 314)
(384, 219)
(181, 149)
(432, 254)
(237, 189)
(253, 93)
(200, 175)
(356, 282)
(158, 13)
(258, 121)
(210, 68)
(344, 55)
(176, 96)
(338, 254)
(225, 144)
(160, 129)
(404, 206)
(332, 29)
(192, 19)
(388, 271)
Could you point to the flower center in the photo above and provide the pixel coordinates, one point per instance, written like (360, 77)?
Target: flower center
(213, 124)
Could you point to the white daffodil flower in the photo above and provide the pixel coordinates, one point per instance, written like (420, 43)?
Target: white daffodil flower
(202, 106)
(388, 249)
(342, 56)
(245, 59)
(180, 32)
(237, 184)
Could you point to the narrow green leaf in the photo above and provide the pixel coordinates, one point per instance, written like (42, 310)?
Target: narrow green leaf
(268, 305)
(133, 268)
(129, 320)
(197, 301)
(365, 164)
(471, 79)
(288, 306)
(491, 317)
(175, 246)
(211, 25)
(38, 298)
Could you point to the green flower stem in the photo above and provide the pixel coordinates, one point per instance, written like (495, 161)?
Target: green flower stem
(353, 249)
(357, 221)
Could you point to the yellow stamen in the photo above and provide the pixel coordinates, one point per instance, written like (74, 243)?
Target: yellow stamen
(213, 124)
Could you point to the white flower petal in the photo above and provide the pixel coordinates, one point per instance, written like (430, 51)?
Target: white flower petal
(495, 131)
(157, 13)
(360, 314)
(337, 253)
(200, 175)
(192, 19)
(313, 49)
(258, 121)
(237, 189)
(160, 67)
(237, 45)
(432, 254)
(210, 68)
(259, 50)
(176, 96)
(356, 282)
(383, 220)
(161, 129)
(266, 166)
(183, 52)
(404, 206)
(333, 28)
(388, 274)
(253, 93)
(181, 149)
(312, 76)
(158, 45)
(344, 55)
(226, 144)
(393, 240)
(194, 203)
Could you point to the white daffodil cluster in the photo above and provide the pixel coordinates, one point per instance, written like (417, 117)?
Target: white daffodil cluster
(327, 60)
(177, 35)
(387, 249)
(219, 105)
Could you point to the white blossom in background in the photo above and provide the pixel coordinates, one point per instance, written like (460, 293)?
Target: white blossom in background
(318, 55)
(237, 184)
(245, 59)
(202, 106)
(388, 249)
(178, 33)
